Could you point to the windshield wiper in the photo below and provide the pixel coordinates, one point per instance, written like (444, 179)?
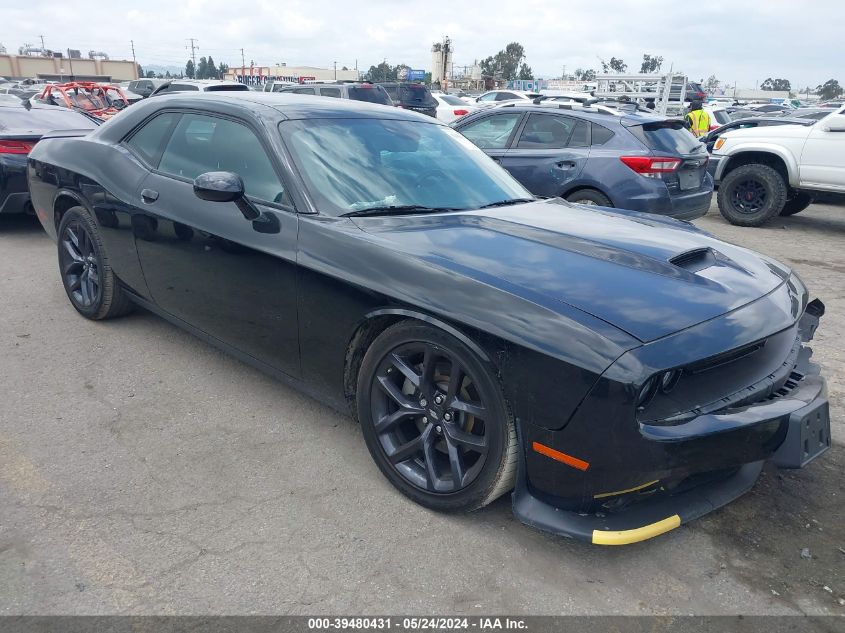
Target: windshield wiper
(397, 210)
(506, 203)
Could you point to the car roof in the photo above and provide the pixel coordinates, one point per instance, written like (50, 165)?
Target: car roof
(293, 106)
(602, 118)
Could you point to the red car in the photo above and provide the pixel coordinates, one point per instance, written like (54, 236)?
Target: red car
(100, 100)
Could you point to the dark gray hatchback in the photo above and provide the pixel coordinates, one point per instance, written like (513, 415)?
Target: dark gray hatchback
(637, 162)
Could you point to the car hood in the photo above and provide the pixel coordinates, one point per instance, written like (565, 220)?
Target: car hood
(643, 274)
(770, 132)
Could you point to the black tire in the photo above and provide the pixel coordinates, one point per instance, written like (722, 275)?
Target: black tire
(84, 267)
(459, 425)
(589, 197)
(751, 195)
(797, 203)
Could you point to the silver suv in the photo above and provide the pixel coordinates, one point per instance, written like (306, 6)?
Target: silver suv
(357, 91)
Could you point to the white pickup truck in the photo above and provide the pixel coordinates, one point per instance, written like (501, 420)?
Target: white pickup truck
(767, 171)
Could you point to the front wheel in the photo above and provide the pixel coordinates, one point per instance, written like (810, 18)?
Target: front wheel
(434, 419)
(751, 195)
(87, 277)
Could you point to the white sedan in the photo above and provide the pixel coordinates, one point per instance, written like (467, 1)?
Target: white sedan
(450, 107)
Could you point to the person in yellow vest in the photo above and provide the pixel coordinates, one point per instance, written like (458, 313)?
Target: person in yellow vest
(698, 120)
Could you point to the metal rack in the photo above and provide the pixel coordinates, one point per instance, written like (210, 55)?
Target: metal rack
(642, 87)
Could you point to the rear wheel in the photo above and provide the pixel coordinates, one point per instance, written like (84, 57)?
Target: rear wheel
(797, 203)
(751, 195)
(434, 419)
(589, 197)
(87, 277)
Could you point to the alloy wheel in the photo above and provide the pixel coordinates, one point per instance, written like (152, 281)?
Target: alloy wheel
(749, 196)
(429, 417)
(80, 265)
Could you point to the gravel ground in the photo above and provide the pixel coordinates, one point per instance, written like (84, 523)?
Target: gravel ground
(142, 471)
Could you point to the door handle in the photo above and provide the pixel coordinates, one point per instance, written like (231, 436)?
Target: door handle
(565, 164)
(149, 196)
(496, 159)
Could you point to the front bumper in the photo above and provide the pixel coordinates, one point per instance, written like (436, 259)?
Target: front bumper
(630, 484)
(713, 168)
(802, 421)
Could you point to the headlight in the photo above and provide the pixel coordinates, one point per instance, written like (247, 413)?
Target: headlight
(664, 382)
(669, 379)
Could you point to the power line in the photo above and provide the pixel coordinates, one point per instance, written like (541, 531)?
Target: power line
(193, 48)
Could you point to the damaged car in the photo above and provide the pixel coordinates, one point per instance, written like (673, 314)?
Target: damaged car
(619, 373)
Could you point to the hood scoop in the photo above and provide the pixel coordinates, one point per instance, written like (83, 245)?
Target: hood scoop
(695, 260)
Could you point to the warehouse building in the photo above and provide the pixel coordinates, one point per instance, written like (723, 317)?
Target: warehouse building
(257, 75)
(59, 67)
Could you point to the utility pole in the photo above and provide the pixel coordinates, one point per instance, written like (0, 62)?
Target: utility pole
(42, 42)
(132, 44)
(70, 61)
(193, 48)
(243, 65)
(335, 71)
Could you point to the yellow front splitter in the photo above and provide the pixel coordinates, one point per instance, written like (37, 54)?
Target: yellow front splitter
(626, 537)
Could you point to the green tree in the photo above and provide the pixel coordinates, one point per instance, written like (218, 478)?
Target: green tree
(140, 70)
(210, 69)
(427, 79)
(651, 64)
(829, 90)
(167, 74)
(222, 69)
(711, 86)
(776, 84)
(505, 63)
(614, 65)
(150, 74)
(382, 72)
(525, 72)
(189, 69)
(585, 74)
(201, 71)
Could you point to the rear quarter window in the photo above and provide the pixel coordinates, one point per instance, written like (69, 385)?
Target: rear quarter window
(601, 135)
(370, 94)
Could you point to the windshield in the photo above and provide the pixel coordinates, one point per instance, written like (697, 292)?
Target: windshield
(668, 136)
(451, 100)
(352, 165)
(415, 95)
(370, 94)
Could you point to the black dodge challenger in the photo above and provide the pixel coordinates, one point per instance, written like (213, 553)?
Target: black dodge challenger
(621, 373)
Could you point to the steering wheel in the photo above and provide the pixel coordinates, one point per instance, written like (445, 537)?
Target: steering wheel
(427, 175)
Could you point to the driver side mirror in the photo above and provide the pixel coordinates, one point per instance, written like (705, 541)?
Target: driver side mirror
(834, 123)
(225, 186)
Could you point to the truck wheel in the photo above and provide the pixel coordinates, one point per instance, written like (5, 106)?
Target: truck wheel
(751, 195)
(797, 204)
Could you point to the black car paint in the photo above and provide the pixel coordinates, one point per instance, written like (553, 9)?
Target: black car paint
(560, 295)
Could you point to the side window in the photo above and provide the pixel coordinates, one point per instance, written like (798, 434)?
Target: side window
(148, 141)
(488, 97)
(492, 132)
(506, 96)
(304, 91)
(580, 135)
(183, 87)
(203, 143)
(330, 92)
(545, 131)
(601, 135)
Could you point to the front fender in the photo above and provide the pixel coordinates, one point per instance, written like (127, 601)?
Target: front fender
(746, 147)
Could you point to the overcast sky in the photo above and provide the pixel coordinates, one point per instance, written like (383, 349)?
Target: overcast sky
(741, 41)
